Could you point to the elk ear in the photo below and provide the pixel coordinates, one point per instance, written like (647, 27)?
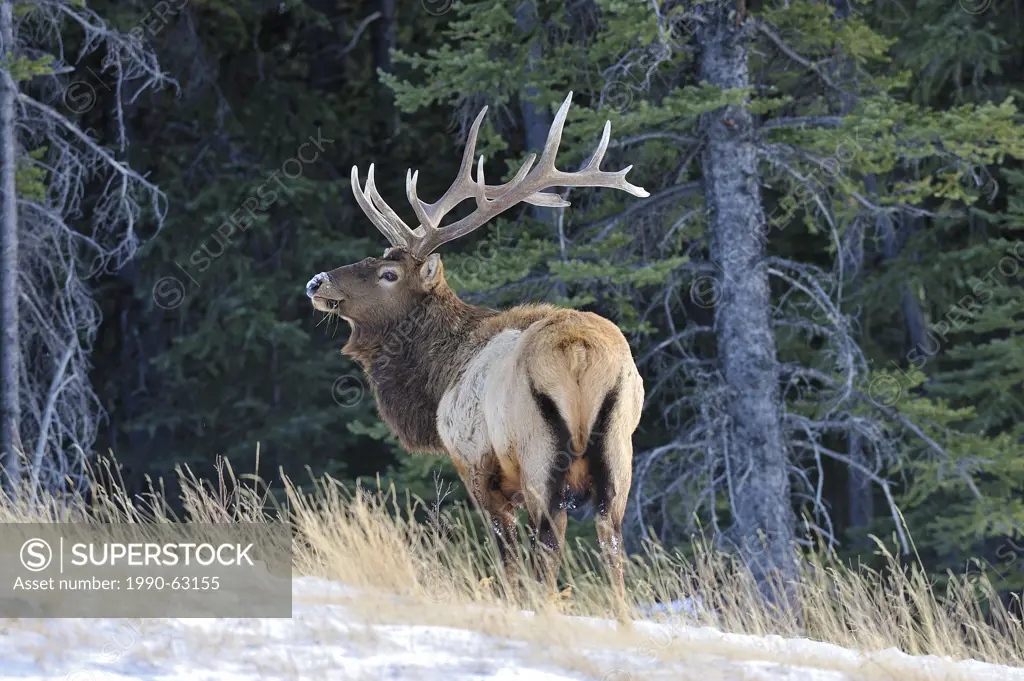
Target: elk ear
(430, 271)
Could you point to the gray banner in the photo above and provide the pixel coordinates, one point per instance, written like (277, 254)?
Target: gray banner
(145, 570)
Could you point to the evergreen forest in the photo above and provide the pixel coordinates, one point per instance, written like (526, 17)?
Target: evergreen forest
(823, 291)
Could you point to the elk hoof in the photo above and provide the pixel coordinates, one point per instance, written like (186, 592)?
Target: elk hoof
(563, 595)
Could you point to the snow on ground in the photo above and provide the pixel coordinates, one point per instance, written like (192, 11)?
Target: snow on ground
(327, 640)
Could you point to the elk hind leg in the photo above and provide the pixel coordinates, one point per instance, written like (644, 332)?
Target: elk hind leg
(547, 524)
(610, 458)
(545, 494)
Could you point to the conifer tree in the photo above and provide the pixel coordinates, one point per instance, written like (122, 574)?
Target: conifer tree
(959, 273)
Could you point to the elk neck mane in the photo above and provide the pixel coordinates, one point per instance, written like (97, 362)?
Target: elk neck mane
(411, 361)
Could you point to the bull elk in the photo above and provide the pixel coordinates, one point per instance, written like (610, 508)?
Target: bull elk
(535, 405)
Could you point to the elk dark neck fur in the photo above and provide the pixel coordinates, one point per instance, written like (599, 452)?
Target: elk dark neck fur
(413, 360)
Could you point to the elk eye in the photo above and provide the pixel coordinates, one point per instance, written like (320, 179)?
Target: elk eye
(389, 276)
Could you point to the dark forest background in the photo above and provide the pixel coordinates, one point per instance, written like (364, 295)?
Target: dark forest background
(885, 144)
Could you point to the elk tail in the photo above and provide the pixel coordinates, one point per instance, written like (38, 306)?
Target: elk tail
(570, 379)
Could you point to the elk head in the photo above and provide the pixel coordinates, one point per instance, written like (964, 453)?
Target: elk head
(386, 288)
(376, 290)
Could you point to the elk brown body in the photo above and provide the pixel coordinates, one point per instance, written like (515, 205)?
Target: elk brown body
(534, 404)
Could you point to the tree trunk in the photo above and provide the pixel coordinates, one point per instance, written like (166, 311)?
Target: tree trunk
(10, 414)
(913, 315)
(383, 40)
(858, 487)
(384, 35)
(536, 121)
(858, 483)
(758, 462)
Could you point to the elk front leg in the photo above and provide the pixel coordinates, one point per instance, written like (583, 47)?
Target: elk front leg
(506, 533)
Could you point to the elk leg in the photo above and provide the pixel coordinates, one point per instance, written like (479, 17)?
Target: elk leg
(609, 508)
(610, 452)
(502, 516)
(609, 536)
(499, 514)
(547, 522)
(546, 496)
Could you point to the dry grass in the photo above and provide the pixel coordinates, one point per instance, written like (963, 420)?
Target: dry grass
(441, 572)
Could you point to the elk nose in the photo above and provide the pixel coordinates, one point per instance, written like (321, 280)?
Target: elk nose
(314, 284)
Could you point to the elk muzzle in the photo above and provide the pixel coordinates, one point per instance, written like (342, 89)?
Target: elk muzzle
(324, 295)
(313, 285)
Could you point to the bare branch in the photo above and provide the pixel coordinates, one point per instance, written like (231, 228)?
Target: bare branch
(359, 31)
(57, 383)
(116, 165)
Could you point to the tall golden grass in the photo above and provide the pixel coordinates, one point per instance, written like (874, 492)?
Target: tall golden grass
(375, 540)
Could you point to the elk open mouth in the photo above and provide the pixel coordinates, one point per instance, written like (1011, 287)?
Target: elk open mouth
(327, 304)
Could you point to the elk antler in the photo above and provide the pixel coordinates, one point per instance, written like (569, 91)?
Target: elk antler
(491, 200)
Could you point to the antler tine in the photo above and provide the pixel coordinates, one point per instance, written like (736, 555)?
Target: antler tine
(538, 199)
(431, 214)
(547, 156)
(410, 191)
(590, 175)
(616, 180)
(595, 161)
(381, 215)
(389, 214)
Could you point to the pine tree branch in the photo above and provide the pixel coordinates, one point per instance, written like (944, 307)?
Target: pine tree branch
(636, 139)
(674, 192)
(763, 28)
(803, 122)
(932, 444)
